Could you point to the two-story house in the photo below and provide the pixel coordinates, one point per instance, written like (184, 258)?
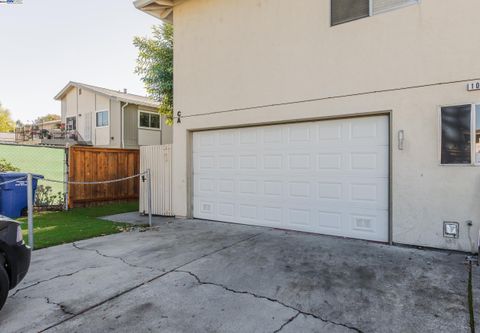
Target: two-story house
(108, 118)
(354, 118)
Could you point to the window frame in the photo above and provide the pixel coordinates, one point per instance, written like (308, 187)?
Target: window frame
(371, 12)
(413, 2)
(474, 133)
(150, 120)
(473, 125)
(96, 119)
(66, 123)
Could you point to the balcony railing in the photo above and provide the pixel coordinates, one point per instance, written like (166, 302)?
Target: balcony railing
(49, 137)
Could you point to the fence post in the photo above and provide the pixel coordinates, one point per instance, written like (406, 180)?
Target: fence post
(66, 171)
(30, 209)
(149, 196)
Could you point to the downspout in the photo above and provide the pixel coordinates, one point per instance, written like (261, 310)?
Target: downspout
(123, 124)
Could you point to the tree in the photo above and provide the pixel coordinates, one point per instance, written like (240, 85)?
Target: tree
(6, 122)
(47, 117)
(155, 67)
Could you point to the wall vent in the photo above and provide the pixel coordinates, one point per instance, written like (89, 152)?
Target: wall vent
(451, 229)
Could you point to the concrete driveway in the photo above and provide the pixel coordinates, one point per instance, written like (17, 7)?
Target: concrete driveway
(197, 276)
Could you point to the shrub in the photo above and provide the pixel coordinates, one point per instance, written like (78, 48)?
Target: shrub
(46, 198)
(7, 166)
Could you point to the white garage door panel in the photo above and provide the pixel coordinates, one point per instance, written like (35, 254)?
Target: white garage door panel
(328, 177)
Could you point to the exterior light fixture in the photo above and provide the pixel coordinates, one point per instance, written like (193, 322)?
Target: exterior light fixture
(401, 139)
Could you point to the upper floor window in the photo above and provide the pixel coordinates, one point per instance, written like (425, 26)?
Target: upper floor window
(349, 10)
(71, 123)
(149, 120)
(460, 142)
(102, 118)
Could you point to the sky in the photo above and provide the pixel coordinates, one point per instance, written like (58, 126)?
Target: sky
(44, 44)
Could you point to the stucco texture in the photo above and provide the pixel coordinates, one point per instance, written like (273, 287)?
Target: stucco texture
(249, 62)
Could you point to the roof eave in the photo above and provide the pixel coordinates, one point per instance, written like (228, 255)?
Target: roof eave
(129, 101)
(161, 9)
(65, 89)
(73, 84)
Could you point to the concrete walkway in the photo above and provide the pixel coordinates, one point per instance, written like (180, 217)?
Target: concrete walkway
(135, 218)
(197, 276)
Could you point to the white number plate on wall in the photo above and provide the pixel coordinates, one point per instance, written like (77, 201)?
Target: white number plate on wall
(473, 86)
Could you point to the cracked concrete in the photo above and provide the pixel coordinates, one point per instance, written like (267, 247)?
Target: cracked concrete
(269, 299)
(17, 290)
(107, 256)
(194, 276)
(367, 286)
(303, 323)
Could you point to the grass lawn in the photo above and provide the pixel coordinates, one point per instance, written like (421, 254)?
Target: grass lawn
(55, 228)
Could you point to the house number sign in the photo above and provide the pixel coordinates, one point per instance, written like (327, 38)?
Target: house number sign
(472, 86)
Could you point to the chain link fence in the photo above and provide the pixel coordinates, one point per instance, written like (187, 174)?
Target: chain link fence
(80, 177)
(49, 162)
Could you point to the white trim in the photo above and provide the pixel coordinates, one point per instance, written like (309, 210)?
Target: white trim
(122, 121)
(127, 98)
(108, 113)
(371, 11)
(66, 123)
(150, 128)
(411, 3)
(474, 133)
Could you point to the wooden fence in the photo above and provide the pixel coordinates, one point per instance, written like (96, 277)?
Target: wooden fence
(89, 164)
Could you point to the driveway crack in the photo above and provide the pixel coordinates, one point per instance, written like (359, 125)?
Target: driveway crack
(271, 300)
(110, 257)
(145, 282)
(287, 322)
(48, 300)
(50, 279)
(62, 307)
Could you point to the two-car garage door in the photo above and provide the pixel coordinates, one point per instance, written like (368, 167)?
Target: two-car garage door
(329, 177)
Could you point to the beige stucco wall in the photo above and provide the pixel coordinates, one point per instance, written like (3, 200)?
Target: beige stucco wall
(86, 115)
(249, 54)
(84, 107)
(102, 134)
(70, 102)
(63, 112)
(131, 126)
(148, 137)
(167, 133)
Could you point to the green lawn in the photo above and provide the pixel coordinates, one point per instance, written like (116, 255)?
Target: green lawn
(55, 228)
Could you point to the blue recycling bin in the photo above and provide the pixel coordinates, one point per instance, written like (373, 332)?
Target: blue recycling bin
(13, 196)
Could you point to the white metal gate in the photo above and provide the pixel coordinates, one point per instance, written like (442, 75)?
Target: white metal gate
(159, 160)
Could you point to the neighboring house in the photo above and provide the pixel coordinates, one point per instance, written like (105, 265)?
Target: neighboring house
(108, 118)
(345, 117)
(49, 126)
(37, 133)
